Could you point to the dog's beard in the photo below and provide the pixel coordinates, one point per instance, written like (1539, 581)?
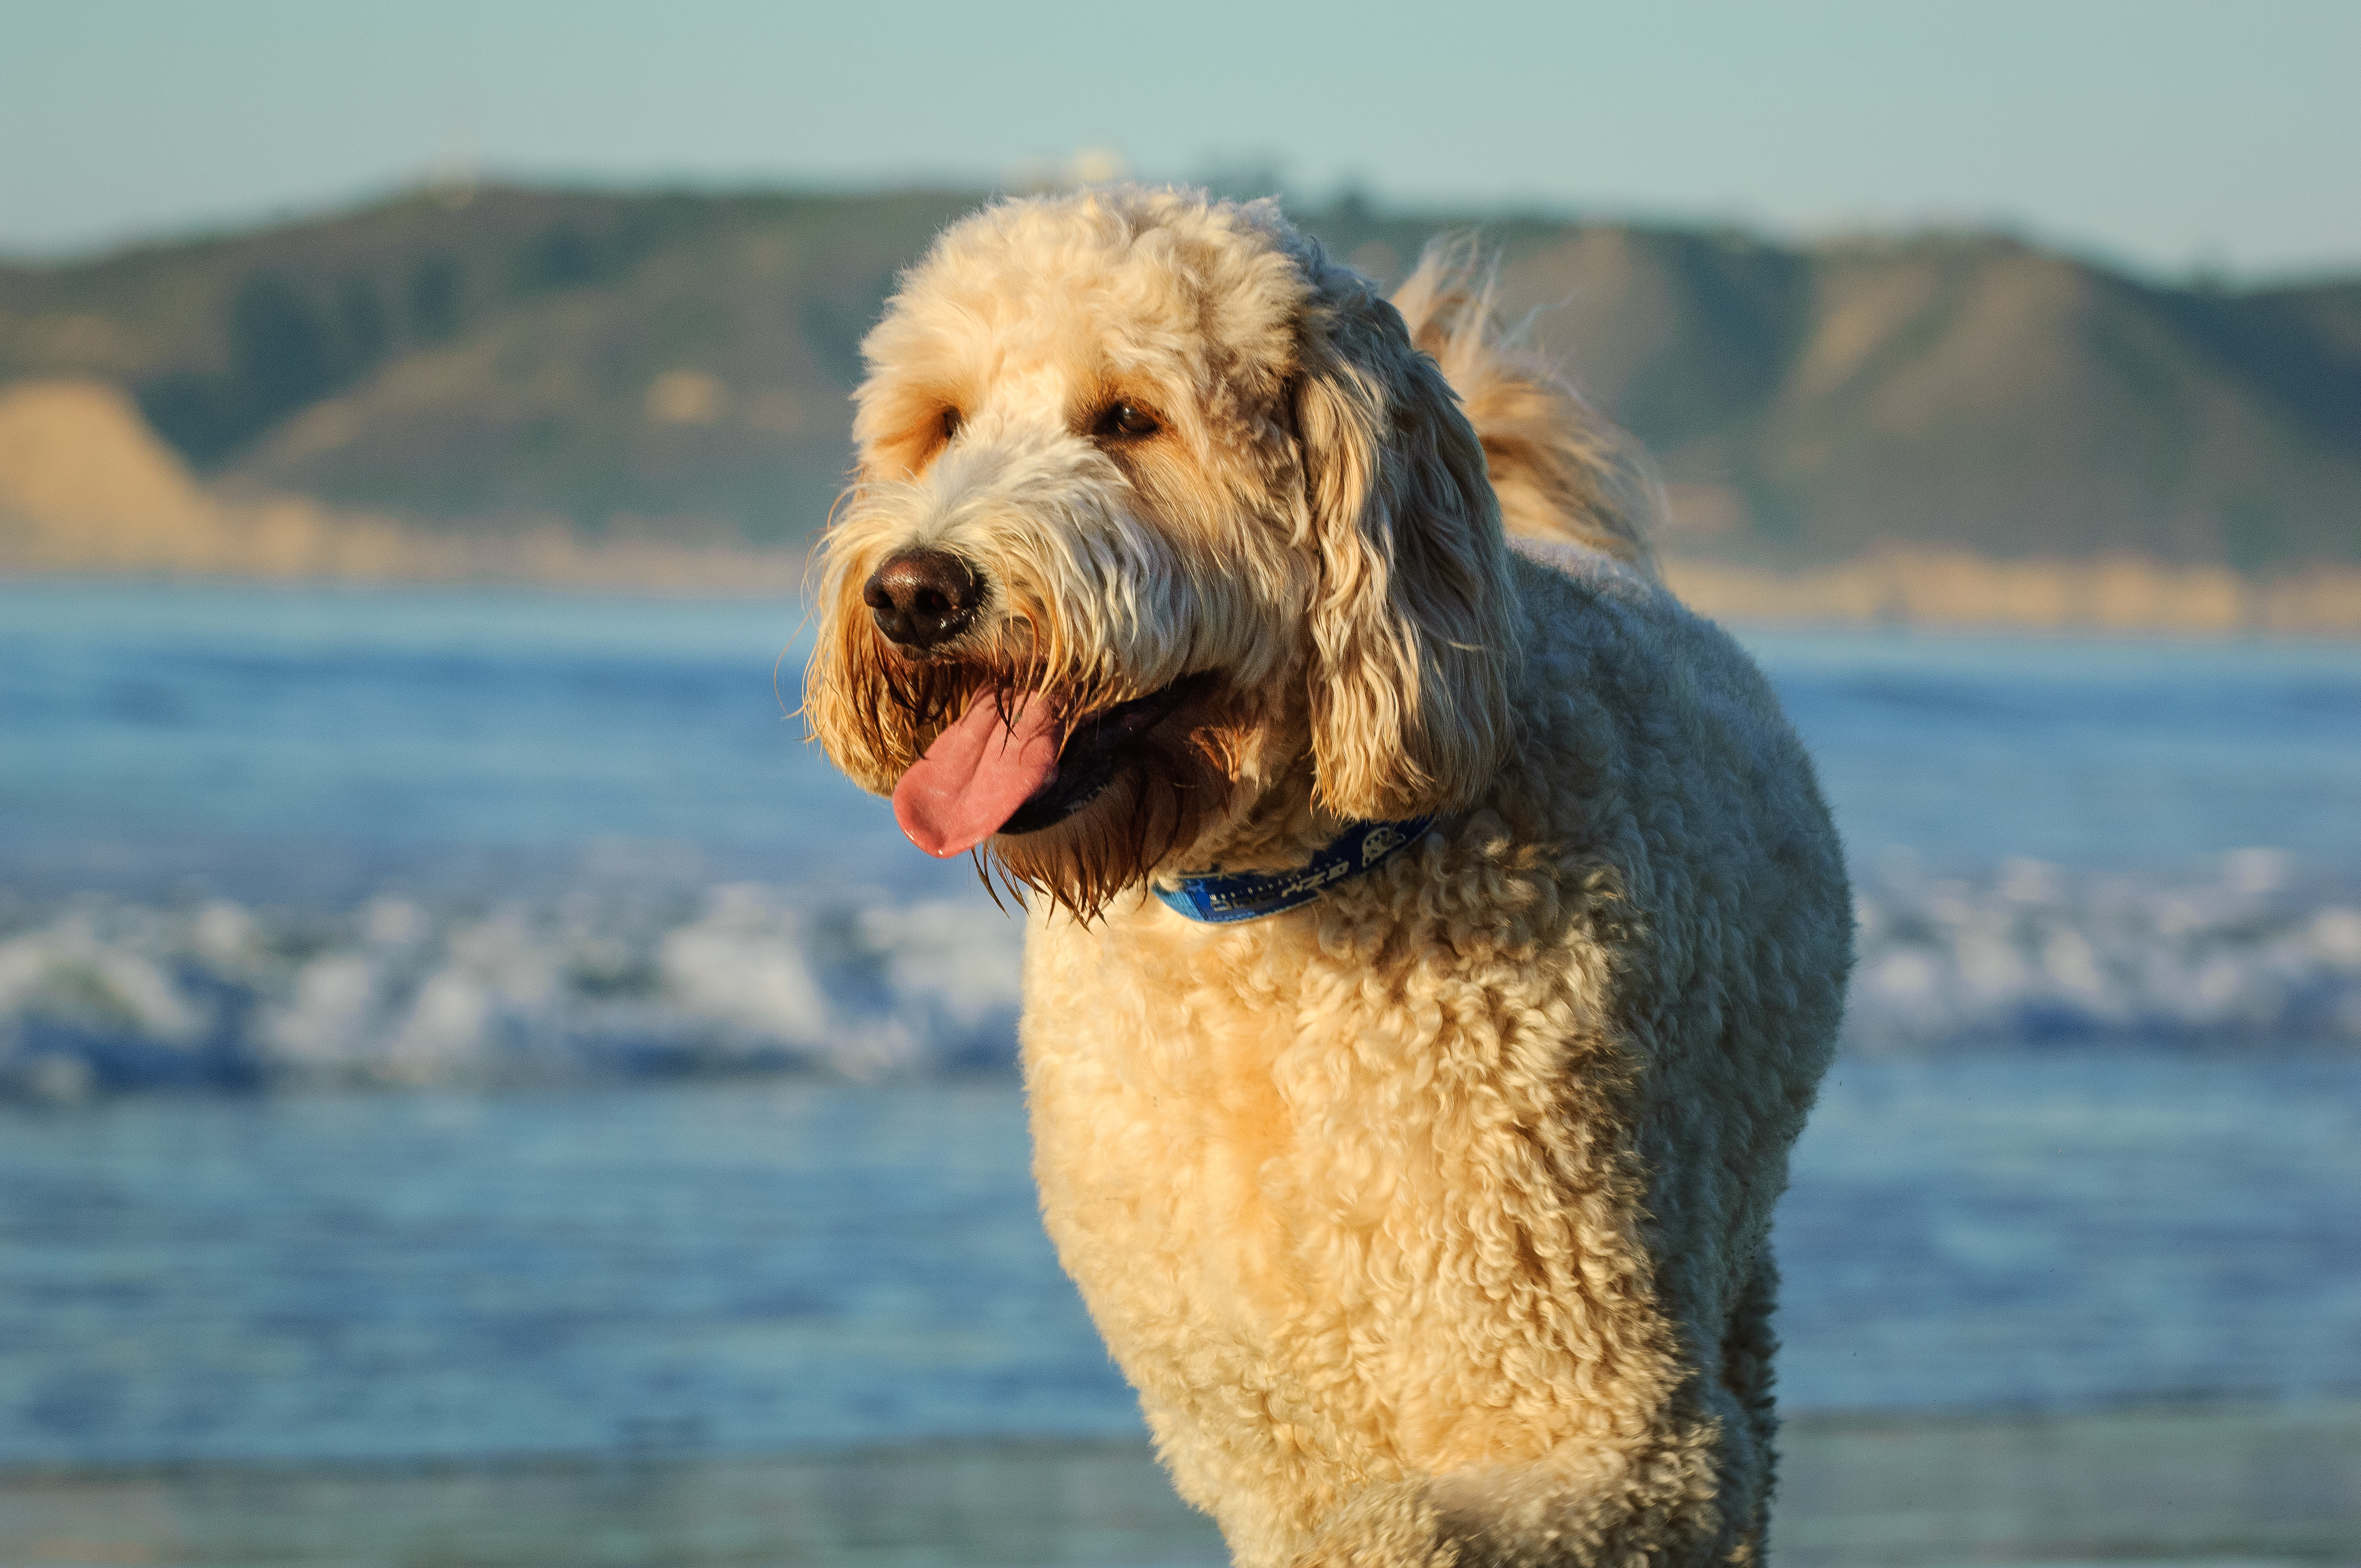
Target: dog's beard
(1143, 797)
(1161, 791)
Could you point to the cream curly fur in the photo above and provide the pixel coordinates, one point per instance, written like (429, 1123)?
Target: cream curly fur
(1430, 1220)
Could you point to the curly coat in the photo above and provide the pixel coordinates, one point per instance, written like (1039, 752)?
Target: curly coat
(1430, 1220)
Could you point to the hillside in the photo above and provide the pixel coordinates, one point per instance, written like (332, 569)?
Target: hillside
(501, 365)
(674, 367)
(1967, 391)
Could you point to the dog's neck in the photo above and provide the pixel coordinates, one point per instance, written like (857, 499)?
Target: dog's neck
(1275, 821)
(1218, 898)
(1281, 851)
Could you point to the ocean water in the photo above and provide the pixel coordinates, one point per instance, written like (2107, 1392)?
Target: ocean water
(778, 1265)
(466, 1023)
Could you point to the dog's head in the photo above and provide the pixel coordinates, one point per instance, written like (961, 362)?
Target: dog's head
(1163, 536)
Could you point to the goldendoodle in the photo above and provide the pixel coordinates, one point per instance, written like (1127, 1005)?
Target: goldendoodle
(1435, 940)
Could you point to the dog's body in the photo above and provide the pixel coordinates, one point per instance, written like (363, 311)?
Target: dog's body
(1463, 1174)
(1430, 1218)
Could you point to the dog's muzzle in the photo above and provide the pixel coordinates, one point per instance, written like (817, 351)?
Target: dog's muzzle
(922, 598)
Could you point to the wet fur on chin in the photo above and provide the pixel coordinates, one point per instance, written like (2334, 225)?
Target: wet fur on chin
(1158, 803)
(1224, 769)
(1168, 784)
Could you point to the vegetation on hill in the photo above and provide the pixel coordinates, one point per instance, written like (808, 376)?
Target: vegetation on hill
(675, 367)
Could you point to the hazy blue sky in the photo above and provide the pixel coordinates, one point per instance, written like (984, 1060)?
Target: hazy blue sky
(2160, 131)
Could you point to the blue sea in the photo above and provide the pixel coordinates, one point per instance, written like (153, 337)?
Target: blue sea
(459, 1024)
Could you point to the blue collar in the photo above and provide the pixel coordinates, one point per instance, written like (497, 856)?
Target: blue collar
(1250, 895)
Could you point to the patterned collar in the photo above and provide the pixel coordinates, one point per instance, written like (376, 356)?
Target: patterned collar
(1249, 895)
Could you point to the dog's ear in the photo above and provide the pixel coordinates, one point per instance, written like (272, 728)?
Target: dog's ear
(1412, 619)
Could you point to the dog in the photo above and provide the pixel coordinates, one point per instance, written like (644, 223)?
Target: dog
(1437, 933)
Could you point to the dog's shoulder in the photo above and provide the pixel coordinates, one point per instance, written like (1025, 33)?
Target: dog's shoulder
(1614, 628)
(1650, 734)
(1583, 564)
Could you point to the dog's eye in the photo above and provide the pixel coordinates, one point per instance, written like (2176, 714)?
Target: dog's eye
(1128, 420)
(950, 423)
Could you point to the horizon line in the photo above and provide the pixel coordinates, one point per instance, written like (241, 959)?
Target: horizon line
(444, 183)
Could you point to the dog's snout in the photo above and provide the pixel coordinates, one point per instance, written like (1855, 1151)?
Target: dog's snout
(921, 598)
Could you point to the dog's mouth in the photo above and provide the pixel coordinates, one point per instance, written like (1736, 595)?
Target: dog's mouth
(1018, 765)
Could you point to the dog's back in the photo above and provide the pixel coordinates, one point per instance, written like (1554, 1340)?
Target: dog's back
(1563, 473)
(1744, 865)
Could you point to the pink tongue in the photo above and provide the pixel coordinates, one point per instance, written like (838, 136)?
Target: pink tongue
(976, 775)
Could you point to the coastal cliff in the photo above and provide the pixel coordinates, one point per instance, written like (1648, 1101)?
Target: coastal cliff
(651, 390)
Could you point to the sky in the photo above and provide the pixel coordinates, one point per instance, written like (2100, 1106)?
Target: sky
(2157, 134)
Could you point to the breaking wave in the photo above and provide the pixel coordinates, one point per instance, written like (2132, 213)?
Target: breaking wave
(99, 994)
(2250, 951)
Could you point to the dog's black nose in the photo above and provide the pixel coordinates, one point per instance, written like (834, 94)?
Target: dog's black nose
(921, 598)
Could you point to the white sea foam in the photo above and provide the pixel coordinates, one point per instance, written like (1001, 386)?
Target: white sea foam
(2252, 951)
(741, 978)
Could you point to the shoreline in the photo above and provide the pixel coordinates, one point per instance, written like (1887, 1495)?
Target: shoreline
(1957, 590)
(1931, 592)
(87, 490)
(2164, 1482)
